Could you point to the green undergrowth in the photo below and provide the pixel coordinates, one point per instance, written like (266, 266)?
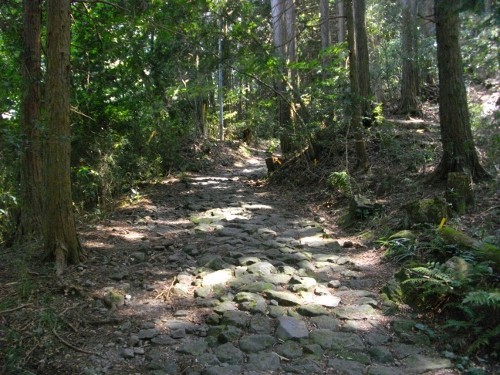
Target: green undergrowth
(453, 282)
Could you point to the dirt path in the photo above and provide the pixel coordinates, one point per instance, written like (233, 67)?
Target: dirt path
(213, 275)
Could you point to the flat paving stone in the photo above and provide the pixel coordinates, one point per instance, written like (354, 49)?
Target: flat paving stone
(291, 328)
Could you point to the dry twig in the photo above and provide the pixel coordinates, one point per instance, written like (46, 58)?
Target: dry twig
(165, 293)
(15, 308)
(71, 345)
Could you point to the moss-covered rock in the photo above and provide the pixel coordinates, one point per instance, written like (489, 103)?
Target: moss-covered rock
(485, 250)
(425, 211)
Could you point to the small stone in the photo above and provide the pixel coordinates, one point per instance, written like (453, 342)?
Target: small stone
(334, 284)
(218, 277)
(262, 268)
(325, 322)
(163, 340)
(128, 353)
(139, 351)
(138, 257)
(119, 275)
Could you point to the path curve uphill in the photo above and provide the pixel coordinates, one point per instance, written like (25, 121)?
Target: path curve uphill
(209, 274)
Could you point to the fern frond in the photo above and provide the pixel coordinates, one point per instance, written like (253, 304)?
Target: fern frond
(483, 298)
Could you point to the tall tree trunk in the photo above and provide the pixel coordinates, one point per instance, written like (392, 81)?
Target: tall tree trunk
(31, 222)
(324, 9)
(362, 56)
(341, 21)
(283, 45)
(459, 153)
(61, 241)
(409, 82)
(362, 157)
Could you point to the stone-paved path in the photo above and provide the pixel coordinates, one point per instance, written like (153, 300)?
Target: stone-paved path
(271, 292)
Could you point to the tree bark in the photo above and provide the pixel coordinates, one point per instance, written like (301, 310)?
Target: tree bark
(61, 242)
(362, 56)
(284, 43)
(409, 81)
(31, 221)
(362, 157)
(324, 9)
(341, 21)
(459, 153)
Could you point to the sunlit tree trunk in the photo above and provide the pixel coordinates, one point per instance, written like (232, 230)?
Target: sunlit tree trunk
(459, 152)
(409, 81)
(31, 222)
(362, 56)
(356, 126)
(61, 241)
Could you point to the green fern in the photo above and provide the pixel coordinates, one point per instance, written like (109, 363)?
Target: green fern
(483, 298)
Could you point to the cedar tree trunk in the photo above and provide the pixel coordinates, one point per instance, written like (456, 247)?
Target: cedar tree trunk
(459, 152)
(31, 222)
(61, 241)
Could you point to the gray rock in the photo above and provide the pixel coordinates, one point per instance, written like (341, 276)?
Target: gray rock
(260, 323)
(223, 307)
(346, 367)
(218, 277)
(147, 334)
(181, 290)
(276, 311)
(262, 268)
(291, 328)
(251, 302)
(381, 354)
(258, 286)
(313, 350)
(355, 312)
(263, 362)
(421, 363)
(228, 334)
(402, 350)
(203, 292)
(325, 322)
(195, 348)
(128, 353)
(290, 349)
(223, 370)
(247, 261)
(178, 333)
(228, 353)
(375, 339)
(284, 298)
(312, 310)
(236, 318)
(302, 366)
(138, 257)
(378, 369)
(163, 340)
(119, 275)
(256, 343)
(336, 340)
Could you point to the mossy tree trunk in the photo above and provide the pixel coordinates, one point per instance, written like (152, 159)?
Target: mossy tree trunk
(459, 152)
(31, 221)
(61, 242)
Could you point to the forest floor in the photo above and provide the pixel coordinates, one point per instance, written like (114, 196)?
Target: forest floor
(226, 271)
